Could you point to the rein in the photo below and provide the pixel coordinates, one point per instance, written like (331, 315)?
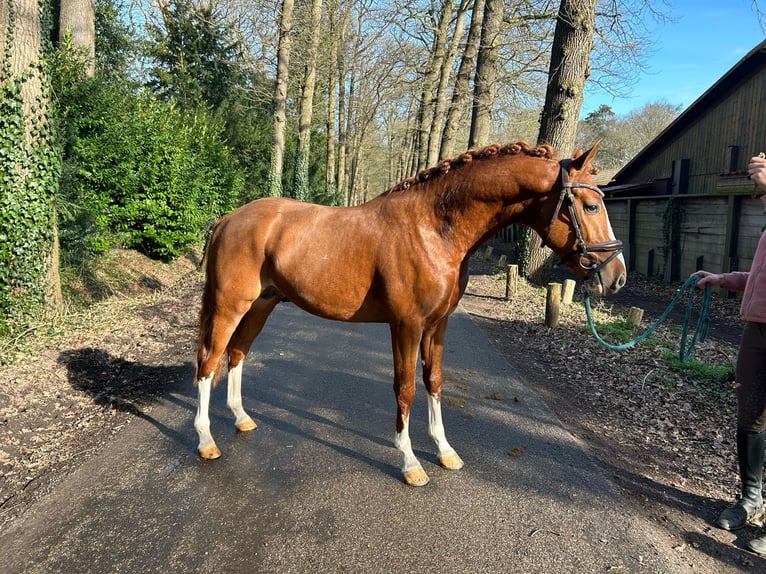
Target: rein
(700, 332)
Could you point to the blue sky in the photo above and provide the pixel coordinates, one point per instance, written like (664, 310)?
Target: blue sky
(705, 40)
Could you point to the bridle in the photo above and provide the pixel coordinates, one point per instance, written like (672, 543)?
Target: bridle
(589, 263)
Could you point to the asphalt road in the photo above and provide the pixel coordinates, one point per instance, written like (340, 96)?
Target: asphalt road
(317, 487)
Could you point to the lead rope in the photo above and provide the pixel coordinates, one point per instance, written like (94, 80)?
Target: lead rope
(703, 322)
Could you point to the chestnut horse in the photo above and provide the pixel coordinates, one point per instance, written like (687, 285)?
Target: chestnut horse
(401, 259)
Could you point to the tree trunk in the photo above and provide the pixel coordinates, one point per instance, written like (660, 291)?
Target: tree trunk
(486, 74)
(302, 191)
(430, 82)
(440, 107)
(78, 18)
(345, 110)
(342, 147)
(342, 182)
(462, 82)
(350, 135)
(280, 99)
(330, 187)
(29, 165)
(568, 73)
(569, 70)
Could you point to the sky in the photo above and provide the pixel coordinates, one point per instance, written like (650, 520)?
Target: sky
(704, 41)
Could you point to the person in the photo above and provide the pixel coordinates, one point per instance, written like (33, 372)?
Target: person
(750, 373)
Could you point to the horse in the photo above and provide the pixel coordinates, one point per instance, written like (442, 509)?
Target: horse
(400, 258)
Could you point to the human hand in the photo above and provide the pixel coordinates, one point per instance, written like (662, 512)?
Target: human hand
(708, 278)
(757, 170)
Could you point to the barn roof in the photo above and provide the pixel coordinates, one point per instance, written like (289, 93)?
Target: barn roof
(753, 61)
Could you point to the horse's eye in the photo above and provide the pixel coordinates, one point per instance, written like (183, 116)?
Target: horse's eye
(591, 208)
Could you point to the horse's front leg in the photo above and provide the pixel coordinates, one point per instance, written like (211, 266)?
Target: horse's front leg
(404, 341)
(432, 353)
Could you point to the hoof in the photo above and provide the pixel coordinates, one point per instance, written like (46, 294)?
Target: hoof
(416, 477)
(209, 452)
(245, 425)
(451, 461)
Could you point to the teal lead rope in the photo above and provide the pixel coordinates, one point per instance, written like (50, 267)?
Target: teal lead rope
(703, 322)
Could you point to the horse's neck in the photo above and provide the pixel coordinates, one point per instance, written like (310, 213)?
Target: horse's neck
(482, 204)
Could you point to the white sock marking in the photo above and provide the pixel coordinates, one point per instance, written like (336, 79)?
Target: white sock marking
(402, 442)
(202, 420)
(436, 427)
(234, 393)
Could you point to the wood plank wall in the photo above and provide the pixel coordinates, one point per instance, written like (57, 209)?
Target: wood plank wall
(708, 233)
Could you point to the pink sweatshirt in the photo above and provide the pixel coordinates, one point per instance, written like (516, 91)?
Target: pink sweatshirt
(753, 283)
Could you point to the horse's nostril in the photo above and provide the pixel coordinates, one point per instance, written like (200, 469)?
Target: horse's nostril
(620, 283)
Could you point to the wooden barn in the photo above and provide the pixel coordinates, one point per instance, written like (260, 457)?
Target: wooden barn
(685, 201)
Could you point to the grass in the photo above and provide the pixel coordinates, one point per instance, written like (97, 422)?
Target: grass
(712, 377)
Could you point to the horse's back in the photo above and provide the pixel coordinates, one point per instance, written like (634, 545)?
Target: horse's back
(321, 258)
(252, 225)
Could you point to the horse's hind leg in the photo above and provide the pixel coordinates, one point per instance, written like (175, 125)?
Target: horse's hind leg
(239, 345)
(207, 447)
(208, 360)
(432, 352)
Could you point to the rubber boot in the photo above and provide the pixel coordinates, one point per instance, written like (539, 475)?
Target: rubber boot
(750, 504)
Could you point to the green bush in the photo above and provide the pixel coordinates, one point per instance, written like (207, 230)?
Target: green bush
(141, 174)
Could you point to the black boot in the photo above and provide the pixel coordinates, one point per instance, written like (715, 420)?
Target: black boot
(750, 504)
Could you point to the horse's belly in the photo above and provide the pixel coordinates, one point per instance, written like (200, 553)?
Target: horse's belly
(331, 295)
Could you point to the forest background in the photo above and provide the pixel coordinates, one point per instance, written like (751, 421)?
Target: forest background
(137, 124)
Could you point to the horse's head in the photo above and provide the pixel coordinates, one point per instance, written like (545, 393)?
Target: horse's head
(579, 230)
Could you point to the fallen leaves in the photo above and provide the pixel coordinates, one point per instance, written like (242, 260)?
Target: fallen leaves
(633, 408)
(68, 392)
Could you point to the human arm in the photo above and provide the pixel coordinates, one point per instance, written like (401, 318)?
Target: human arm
(734, 281)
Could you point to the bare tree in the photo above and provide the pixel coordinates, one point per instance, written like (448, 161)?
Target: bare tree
(486, 74)
(461, 90)
(508, 80)
(337, 25)
(280, 98)
(569, 71)
(302, 191)
(430, 82)
(445, 73)
(624, 136)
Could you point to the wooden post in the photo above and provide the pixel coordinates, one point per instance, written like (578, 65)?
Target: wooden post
(511, 280)
(504, 258)
(553, 305)
(634, 316)
(488, 252)
(569, 287)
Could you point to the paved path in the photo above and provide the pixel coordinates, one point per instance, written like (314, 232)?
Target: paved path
(317, 488)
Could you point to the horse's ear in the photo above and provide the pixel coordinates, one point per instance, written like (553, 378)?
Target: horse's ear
(580, 159)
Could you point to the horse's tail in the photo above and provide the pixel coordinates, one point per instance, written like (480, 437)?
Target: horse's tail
(205, 333)
(208, 237)
(207, 309)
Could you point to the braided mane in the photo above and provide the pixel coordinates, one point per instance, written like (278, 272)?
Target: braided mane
(494, 150)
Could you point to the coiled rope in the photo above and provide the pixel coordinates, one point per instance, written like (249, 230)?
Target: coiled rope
(700, 332)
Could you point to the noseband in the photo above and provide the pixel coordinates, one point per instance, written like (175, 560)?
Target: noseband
(590, 264)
